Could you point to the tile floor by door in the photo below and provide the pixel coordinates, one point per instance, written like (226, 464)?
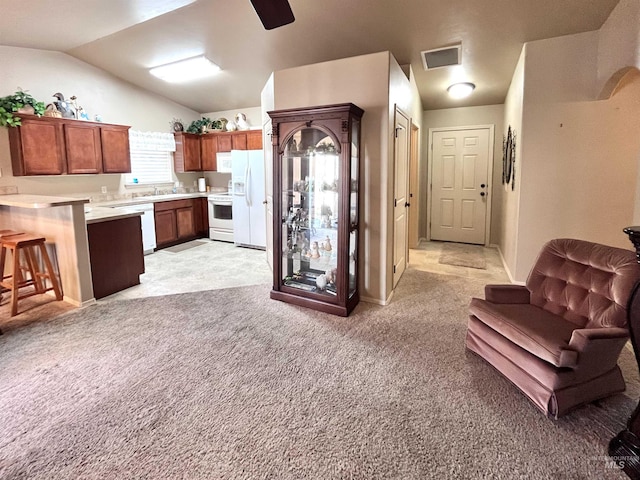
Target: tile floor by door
(208, 265)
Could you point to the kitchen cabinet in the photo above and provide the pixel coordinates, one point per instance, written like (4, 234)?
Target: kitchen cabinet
(178, 221)
(316, 173)
(201, 216)
(116, 156)
(116, 256)
(187, 155)
(83, 148)
(57, 146)
(197, 153)
(208, 152)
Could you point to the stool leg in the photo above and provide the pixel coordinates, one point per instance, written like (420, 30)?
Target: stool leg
(34, 268)
(52, 274)
(17, 278)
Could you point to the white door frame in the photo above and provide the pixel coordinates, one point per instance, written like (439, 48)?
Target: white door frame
(491, 128)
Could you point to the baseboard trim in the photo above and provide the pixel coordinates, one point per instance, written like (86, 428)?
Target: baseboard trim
(377, 301)
(506, 268)
(76, 303)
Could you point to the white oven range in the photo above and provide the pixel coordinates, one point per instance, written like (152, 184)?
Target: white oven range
(220, 217)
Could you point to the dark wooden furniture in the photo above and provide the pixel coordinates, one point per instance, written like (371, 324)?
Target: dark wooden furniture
(187, 156)
(624, 449)
(197, 153)
(178, 221)
(316, 154)
(116, 255)
(57, 146)
(24, 249)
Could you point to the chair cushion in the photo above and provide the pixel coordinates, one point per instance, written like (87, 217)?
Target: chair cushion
(586, 283)
(538, 331)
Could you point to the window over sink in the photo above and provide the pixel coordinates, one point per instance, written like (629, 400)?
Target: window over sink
(151, 161)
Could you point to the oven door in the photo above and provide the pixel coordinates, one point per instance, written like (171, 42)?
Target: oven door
(221, 219)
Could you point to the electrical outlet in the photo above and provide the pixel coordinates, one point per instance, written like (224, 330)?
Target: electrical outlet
(103, 189)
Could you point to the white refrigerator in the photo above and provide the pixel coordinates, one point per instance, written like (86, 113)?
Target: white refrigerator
(249, 212)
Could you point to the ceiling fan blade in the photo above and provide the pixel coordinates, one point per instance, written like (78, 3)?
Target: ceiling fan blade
(273, 13)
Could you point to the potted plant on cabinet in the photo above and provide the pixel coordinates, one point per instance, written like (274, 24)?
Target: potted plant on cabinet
(19, 102)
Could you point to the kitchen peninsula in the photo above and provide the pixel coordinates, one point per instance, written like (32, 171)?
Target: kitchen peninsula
(62, 221)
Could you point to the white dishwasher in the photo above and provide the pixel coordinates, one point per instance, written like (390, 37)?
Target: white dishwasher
(148, 226)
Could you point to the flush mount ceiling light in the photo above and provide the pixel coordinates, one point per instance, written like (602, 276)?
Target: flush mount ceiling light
(461, 90)
(185, 70)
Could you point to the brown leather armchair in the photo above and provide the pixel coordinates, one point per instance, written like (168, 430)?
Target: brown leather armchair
(558, 338)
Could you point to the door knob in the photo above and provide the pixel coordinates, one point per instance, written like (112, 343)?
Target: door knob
(482, 194)
(407, 204)
(482, 185)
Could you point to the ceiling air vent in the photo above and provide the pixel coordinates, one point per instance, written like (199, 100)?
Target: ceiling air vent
(441, 57)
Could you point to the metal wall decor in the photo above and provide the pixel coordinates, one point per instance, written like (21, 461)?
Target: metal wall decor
(509, 158)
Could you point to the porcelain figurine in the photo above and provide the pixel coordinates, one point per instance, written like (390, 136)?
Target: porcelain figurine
(315, 250)
(321, 281)
(241, 121)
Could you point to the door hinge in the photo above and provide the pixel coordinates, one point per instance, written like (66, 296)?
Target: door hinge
(394, 269)
(395, 202)
(396, 131)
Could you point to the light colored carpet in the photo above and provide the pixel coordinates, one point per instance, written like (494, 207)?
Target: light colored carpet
(463, 255)
(228, 384)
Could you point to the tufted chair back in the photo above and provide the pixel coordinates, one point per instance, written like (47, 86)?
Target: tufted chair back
(586, 283)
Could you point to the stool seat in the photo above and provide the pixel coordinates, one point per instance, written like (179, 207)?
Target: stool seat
(26, 246)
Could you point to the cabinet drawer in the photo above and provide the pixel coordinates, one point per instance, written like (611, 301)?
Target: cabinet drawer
(172, 204)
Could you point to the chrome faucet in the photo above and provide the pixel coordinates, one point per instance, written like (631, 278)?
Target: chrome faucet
(156, 191)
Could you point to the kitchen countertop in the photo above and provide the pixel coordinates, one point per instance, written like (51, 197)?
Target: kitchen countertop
(38, 201)
(105, 214)
(150, 199)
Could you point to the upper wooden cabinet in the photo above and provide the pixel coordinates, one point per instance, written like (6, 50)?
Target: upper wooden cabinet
(187, 156)
(208, 152)
(56, 146)
(116, 157)
(196, 153)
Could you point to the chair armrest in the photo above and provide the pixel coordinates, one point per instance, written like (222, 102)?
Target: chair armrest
(582, 335)
(507, 294)
(598, 348)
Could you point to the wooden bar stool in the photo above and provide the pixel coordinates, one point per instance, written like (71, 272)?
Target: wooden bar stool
(25, 245)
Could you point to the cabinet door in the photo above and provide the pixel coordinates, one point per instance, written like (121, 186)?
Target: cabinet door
(187, 156)
(166, 231)
(83, 147)
(186, 222)
(37, 148)
(239, 141)
(201, 212)
(115, 149)
(224, 142)
(208, 151)
(254, 140)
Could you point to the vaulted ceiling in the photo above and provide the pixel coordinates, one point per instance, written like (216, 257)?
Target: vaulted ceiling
(127, 37)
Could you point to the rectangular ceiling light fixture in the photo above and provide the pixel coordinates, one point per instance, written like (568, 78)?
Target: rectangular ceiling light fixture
(441, 57)
(186, 70)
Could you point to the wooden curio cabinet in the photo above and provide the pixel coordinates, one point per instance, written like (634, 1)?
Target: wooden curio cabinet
(316, 172)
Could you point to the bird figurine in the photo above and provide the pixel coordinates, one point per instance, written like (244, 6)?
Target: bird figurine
(241, 121)
(64, 107)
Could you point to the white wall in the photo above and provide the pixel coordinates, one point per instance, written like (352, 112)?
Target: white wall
(577, 158)
(513, 117)
(619, 40)
(364, 81)
(460, 117)
(44, 73)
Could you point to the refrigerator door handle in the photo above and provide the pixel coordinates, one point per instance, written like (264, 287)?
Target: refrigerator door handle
(247, 185)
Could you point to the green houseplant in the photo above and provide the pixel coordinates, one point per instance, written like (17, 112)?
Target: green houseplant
(10, 105)
(202, 125)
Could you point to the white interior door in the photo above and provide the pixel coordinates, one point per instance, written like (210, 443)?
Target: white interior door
(459, 185)
(400, 204)
(268, 183)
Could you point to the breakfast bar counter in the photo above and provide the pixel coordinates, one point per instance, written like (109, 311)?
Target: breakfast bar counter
(61, 221)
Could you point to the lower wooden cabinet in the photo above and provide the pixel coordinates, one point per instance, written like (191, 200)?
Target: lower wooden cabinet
(178, 221)
(116, 255)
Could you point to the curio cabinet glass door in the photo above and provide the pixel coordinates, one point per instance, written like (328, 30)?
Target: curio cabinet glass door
(316, 154)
